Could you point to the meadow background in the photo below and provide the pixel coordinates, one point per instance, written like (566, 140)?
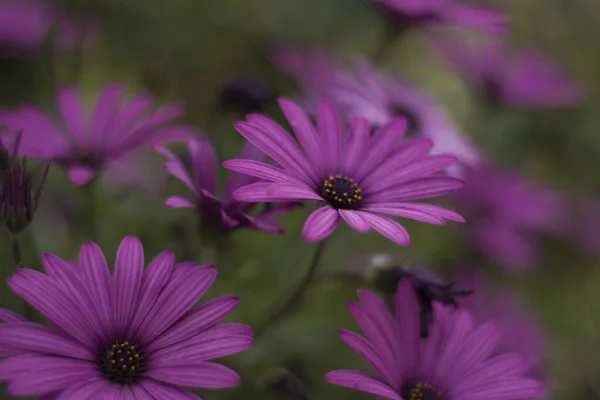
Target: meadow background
(184, 50)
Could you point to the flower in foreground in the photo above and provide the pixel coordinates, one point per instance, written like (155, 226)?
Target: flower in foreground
(134, 334)
(359, 90)
(226, 214)
(456, 362)
(506, 214)
(432, 13)
(85, 144)
(358, 177)
(524, 79)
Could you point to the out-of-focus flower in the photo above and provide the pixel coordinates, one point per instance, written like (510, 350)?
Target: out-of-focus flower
(226, 214)
(433, 13)
(86, 144)
(505, 213)
(17, 201)
(25, 25)
(457, 361)
(358, 177)
(360, 90)
(523, 79)
(520, 332)
(131, 335)
(245, 95)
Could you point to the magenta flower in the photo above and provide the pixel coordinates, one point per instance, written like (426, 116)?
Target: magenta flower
(456, 362)
(434, 13)
(86, 144)
(521, 334)
(524, 79)
(25, 25)
(132, 335)
(357, 177)
(226, 214)
(506, 213)
(362, 91)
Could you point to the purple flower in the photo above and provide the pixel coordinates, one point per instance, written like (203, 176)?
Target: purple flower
(86, 144)
(434, 13)
(25, 25)
(358, 177)
(505, 213)
(362, 91)
(225, 214)
(456, 362)
(523, 79)
(132, 335)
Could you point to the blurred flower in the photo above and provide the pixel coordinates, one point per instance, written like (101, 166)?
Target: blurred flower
(505, 213)
(85, 145)
(245, 95)
(520, 332)
(358, 177)
(363, 91)
(225, 214)
(408, 13)
(455, 362)
(525, 79)
(130, 334)
(25, 26)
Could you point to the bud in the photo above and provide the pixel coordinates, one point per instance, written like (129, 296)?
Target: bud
(245, 95)
(17, 202)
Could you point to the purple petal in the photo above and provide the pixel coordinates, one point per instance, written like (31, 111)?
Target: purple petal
(160, 390)
(355, 221)
(145, 132)
(399, 211)
(154, 280)
(80, 175)
(70, 107)
(272, 192)
(106, 112)
(506, 389)
(262, 171)
(356, 144)
(127, 280)
(483, 18)
(179, 202)
(361, 381)
(139, 108)
(187, 285)
(85, 390)
(195, 321)
(96, 275)
(204, 163)
(420, 189)
(367, 352)
(432, 209)
(236, 180)
(407, 312)
(387, 228)
(320, 224)
(206, 375)
(9, 316)
(330, 130)
(177, 169)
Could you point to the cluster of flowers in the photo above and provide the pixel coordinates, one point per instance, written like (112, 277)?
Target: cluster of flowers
(379, 144)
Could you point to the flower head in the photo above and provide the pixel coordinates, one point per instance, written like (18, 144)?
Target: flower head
(457, 361)
(356, 177)
(525, 79)
(505, 213)
(86, 144)
(432, 13)
(360, 90)
(135, 333)
(226, 214)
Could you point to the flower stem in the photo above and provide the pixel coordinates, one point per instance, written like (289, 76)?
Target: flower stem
(297, 295)
(17, 257)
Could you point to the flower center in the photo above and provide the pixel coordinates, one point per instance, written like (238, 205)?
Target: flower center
(341, 192)
(122, 362)
(421, 391)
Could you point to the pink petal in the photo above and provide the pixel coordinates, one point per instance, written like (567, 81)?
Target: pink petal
(356, 143)
(368, 353)
(204, 164)
(320, 224)
(127, 280)
(271, 192)
(407, 312)
(398, 211)
(355, 221)
(179, 202)
(330, 130)
(362, 382)
(70, 106)
(9, 316)
(420, 189)
(262, 171)
(80, 175)
(106, 112)
(177, 169)
(387, 228)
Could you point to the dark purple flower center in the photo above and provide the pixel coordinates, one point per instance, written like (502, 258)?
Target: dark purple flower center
(421, 391)
(122, 362)
(341, 192)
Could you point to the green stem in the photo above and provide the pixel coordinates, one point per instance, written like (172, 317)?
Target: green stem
(297, 294)
(17, 257)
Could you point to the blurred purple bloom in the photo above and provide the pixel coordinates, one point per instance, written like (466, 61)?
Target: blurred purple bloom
(520, 332)
(433, 13)
(362, 91)
(357, 176)
(505, 213)
(84, 143)
(225, 214)
(457, 362)
(133, 335)
(525, 80)
(25, 25)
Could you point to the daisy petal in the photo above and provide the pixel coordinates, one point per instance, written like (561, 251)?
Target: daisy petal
(206, 375)
(160, 390)
(272, 192)
(127, 280)
(330, 130)
(179, 202)
(262, 171)
(387, 227)
(355, 221)
(356, 142)
(320, 224)
(362, 382)
(70, 106)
